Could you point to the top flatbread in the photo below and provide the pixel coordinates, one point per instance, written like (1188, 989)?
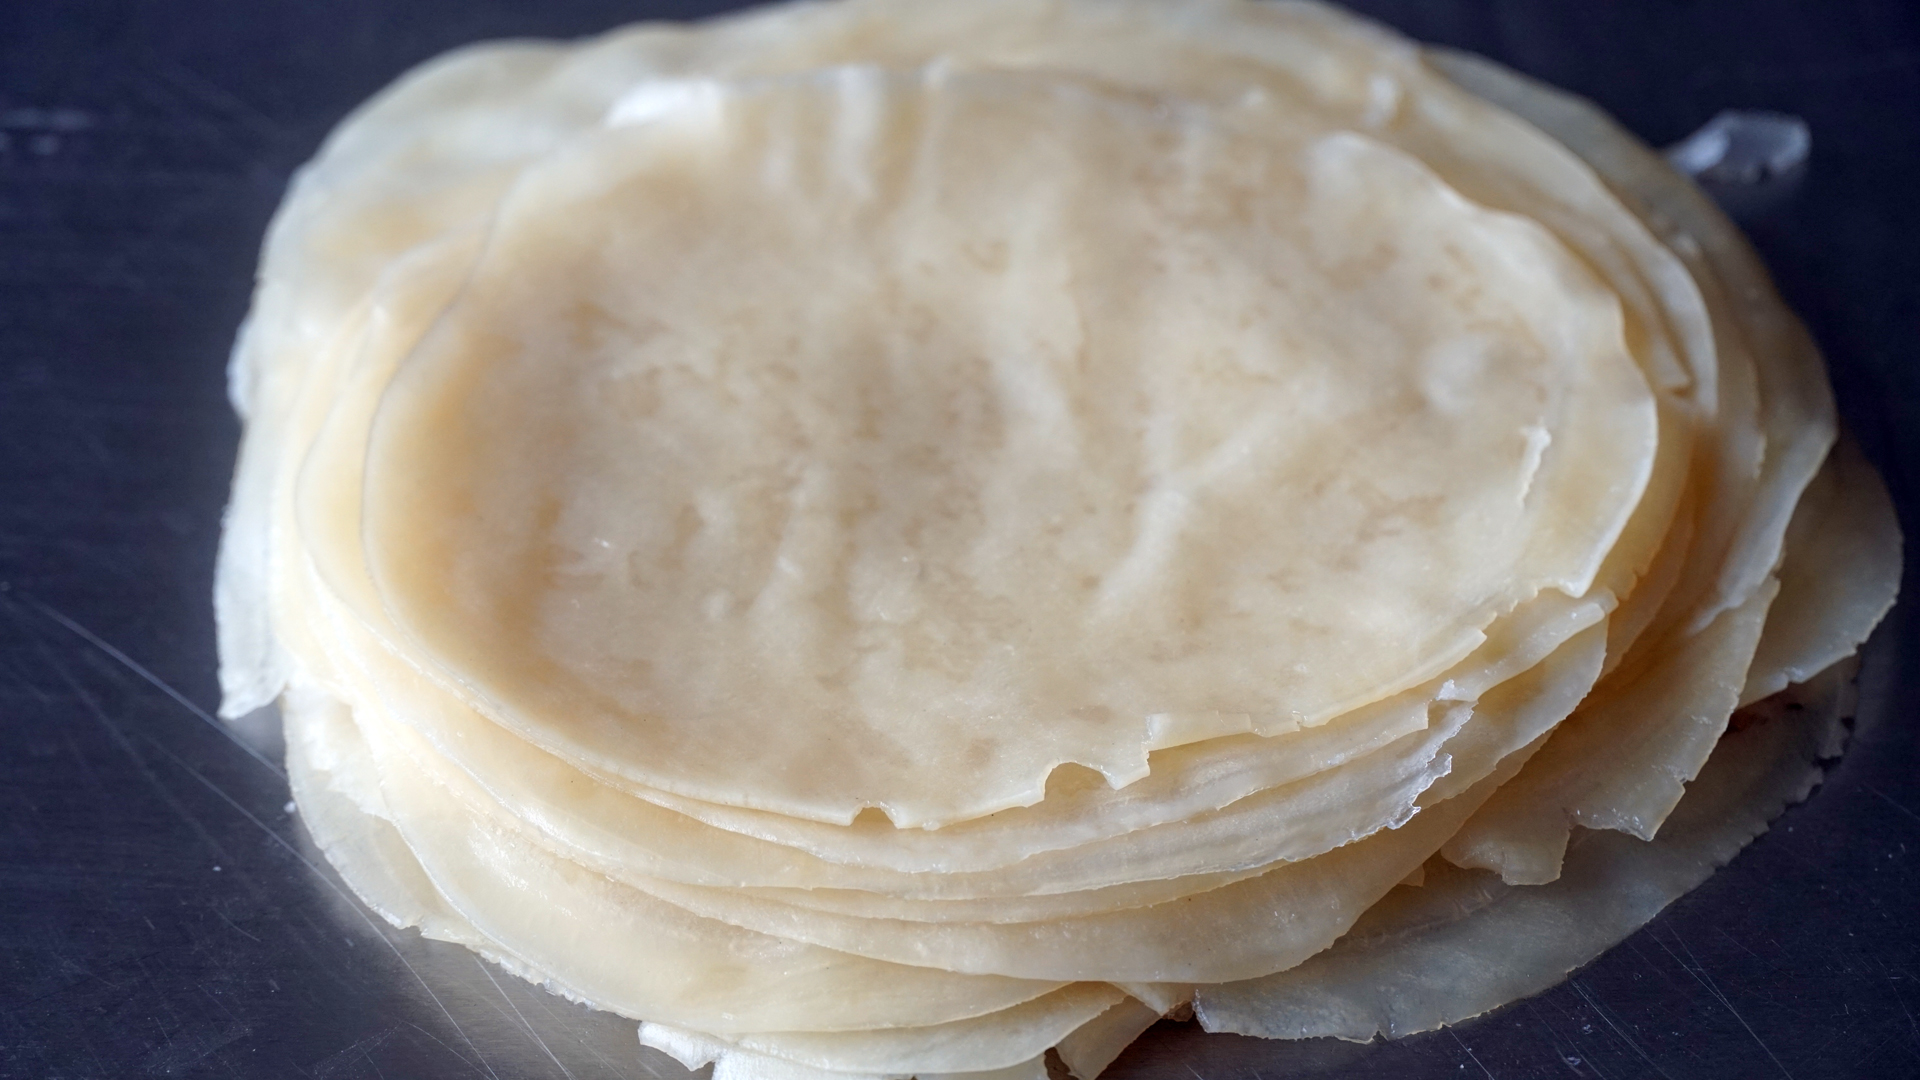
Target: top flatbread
(1083, 451)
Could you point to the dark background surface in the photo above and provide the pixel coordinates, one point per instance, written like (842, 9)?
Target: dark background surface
(161, 912)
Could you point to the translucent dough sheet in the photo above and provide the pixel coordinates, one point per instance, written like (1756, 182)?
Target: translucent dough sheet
(1465, 943)
(886, 539)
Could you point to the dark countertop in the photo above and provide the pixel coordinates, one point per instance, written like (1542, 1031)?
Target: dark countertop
(161, 912)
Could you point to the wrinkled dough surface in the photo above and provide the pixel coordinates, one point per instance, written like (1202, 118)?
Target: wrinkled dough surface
(710, 526)
(1838, 577)
(1466, 943)
(649, 958)
(1021, 385)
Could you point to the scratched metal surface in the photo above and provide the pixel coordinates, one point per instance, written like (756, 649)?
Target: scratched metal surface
(162, 914)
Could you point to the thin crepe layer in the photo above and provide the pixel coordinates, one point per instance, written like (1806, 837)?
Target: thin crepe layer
(1677, 616)
(1460, 946)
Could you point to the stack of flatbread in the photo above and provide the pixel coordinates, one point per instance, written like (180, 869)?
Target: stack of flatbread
(889, 537)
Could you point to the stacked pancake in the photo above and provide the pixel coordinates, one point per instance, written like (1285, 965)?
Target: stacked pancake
(890, 538)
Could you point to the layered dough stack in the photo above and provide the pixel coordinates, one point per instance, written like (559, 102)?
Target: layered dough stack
(895, 538)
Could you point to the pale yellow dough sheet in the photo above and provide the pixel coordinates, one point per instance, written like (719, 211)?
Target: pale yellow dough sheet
(887, 538)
